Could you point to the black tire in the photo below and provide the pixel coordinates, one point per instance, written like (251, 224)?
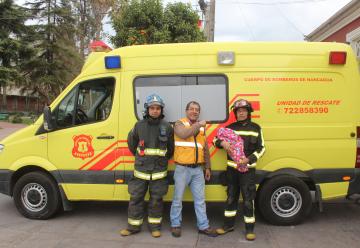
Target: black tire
(284, 200)
(36, 196)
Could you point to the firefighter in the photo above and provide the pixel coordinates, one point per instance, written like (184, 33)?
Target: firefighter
(237, 179)
(151, 141)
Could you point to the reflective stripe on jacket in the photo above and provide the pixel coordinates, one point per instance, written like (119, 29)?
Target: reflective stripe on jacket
(153, 152)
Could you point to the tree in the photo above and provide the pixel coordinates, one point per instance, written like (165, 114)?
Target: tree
(14, 45)
(85, 30)
(45, 55)
(182, 22)
(89, 15)
(99, 10)
(147, 22)
(57, 60)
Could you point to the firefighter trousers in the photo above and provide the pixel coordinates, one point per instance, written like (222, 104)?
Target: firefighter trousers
(237, 183)
(136, 211)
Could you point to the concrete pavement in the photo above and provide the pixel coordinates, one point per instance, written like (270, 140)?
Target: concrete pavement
(98, 224)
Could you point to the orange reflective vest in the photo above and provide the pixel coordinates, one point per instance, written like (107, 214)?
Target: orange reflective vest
(190, 149)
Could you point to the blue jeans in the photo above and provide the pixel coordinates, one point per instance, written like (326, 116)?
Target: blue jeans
(194, 178)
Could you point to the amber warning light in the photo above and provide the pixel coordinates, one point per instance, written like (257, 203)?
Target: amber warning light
(337, 58)
(119, 181)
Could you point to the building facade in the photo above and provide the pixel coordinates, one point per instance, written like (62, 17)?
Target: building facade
(343, 26)
(17, 101)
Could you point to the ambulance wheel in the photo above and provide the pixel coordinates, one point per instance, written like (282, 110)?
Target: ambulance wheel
(284, 200)
(36, 196)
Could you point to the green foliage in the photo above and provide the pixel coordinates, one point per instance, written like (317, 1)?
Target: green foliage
(57, 60)
(27, 120)
(44, 55)
(14, 47)
(41, 56)
(16, 119)
(182, 22)
(147, 22)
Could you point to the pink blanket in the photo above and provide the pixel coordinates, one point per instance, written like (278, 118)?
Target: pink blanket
(237, 146)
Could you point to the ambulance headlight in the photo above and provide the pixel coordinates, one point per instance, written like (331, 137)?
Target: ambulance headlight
(1, 148)
(226, 58)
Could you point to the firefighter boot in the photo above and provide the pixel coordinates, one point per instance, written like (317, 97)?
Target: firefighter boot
(127, 232)
(156, 234)
(250, 236)
(249, 232)
(223, 230)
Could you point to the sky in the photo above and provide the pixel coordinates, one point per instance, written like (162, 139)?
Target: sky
(270, 20)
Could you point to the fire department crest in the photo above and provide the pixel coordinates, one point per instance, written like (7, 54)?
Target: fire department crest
(82, 146)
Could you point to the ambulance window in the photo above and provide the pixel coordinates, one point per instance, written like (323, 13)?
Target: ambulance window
(209, 90)
(93, 103)
(64, 113)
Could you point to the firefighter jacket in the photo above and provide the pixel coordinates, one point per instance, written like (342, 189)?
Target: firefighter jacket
(251, 134)
(190, 150)
(151, 141)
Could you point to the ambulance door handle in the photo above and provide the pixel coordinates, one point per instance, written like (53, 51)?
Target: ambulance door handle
(105, 137)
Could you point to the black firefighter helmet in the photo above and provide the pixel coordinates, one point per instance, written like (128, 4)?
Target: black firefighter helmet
(242, 103)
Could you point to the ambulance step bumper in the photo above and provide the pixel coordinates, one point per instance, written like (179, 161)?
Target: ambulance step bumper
(5, 176)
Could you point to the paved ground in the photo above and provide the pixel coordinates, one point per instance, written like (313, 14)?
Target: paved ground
(98, 224)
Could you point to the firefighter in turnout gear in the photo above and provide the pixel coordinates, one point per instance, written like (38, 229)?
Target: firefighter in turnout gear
(151, 141)
(240, 180)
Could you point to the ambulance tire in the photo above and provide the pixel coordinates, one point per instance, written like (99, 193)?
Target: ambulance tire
(284, 200)
(36, 196)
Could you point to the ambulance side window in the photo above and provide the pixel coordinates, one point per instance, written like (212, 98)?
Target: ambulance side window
(65, 110)
(177, 90)
(89, 102)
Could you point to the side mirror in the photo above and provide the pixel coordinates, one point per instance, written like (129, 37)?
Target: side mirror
(48, 121)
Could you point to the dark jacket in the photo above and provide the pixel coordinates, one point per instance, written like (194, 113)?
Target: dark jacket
(149, 134)
(253, 139)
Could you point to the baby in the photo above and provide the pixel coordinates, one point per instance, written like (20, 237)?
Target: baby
(236, 151)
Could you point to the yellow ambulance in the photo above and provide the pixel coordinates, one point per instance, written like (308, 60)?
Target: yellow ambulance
(305, 96)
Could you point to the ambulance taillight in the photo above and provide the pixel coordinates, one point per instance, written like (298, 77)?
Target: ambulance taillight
(357, 163)
(337, 58)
